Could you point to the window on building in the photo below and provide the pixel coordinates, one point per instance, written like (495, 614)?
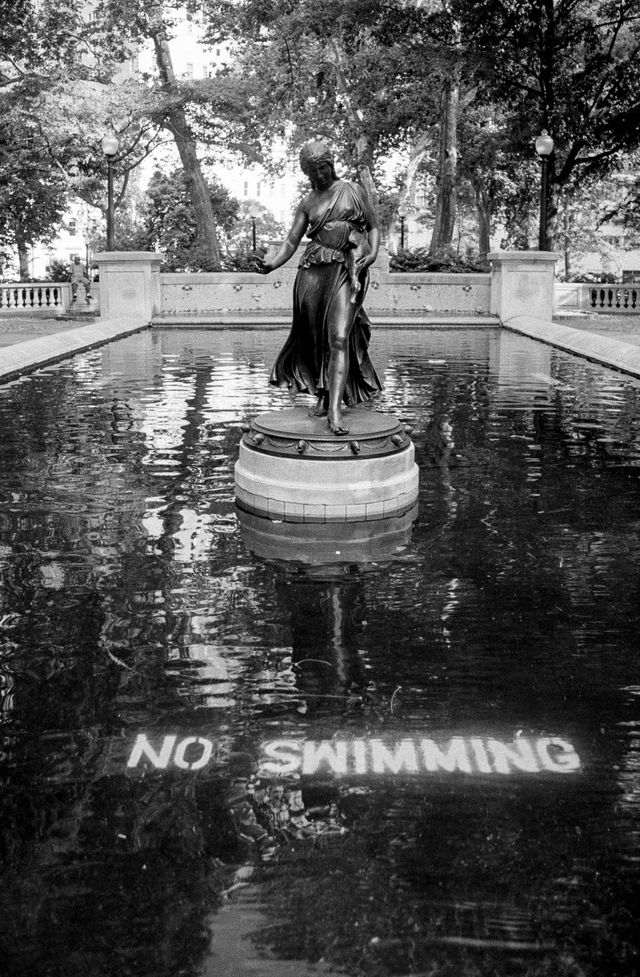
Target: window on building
(71, 226)
(245, 188)
(258, 189)
(188, 71)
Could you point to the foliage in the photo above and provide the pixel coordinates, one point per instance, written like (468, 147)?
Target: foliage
(420, 259)
(40, 43)
(168, 222)
(570, 67)
(350, 73)
(59, 271)
(57, 94)
(595, 278)
(239, 255)
(33, 194)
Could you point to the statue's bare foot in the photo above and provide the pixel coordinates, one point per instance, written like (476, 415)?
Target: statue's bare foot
(337, 425)
(320, 409)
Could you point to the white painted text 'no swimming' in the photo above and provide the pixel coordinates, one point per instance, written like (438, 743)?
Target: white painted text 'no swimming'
(349, 757)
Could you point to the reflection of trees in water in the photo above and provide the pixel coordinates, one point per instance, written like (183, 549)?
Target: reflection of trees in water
(102, 876)
(449, 882)
(117, 877)
(105, 875)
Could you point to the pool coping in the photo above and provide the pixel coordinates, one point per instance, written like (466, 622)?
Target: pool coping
(281, 319)
(32, 354)
(612, 353)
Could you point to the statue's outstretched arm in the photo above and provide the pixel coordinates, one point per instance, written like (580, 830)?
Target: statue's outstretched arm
(292, 241)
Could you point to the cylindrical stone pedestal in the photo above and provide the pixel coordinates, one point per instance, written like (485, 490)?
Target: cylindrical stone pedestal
(292, 468)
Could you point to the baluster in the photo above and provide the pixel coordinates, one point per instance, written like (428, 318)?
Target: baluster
(15, 298)
(625, 298)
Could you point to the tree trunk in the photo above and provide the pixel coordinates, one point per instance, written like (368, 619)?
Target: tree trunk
(175, 121)
(362, 139)
(417, 152)
(483, 211)
(447, 170)
(23, 254)
(364, 157)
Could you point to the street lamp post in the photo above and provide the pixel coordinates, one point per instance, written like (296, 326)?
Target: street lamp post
(110, 146)
(253, 234)
(402, 216)
(544, 148)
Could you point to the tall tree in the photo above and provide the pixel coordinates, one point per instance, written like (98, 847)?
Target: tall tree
(178, 105)
(170, 224)
(569, 66)
(175, 120)
(353, 73)
(33, 196)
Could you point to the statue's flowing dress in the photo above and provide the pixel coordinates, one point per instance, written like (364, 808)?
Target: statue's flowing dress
(321, 293)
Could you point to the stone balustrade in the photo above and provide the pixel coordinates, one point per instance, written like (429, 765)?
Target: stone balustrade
(515, 281)
(585, 297)
(33, 297)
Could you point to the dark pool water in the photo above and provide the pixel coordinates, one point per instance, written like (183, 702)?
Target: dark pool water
(134, 612)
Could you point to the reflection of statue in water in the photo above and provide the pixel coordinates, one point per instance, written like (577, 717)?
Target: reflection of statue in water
(326, 353)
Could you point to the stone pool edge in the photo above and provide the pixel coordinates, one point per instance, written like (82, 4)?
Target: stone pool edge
(22, 358)
(612, 353)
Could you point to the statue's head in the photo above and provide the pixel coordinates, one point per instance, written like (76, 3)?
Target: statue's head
(314, 154)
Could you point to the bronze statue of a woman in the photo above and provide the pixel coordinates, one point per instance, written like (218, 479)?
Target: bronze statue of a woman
(326, 352)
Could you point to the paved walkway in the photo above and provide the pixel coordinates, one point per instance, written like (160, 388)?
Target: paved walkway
(64, 339)
(18, 328)
(624, 328)
(592, 346)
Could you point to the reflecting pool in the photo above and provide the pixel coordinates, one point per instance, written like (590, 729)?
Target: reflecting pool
(218, 760)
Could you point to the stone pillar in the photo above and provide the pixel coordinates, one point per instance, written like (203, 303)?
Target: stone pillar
(522, 283)
(129, 284)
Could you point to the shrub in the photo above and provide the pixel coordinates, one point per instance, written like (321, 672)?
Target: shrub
(595, 278)
(419, 259)
(59, 271)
